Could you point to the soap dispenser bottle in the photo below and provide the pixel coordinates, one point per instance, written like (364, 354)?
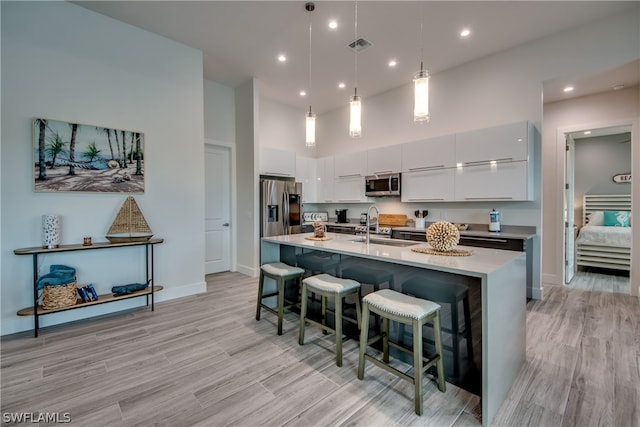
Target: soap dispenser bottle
(494, 220)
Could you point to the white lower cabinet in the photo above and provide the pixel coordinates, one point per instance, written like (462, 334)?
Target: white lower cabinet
(349, 189)
(435, 185)
(501, 181)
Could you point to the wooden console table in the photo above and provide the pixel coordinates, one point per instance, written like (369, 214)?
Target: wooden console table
(36, 311)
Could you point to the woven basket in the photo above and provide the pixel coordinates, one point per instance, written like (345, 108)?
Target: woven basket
(59, 296)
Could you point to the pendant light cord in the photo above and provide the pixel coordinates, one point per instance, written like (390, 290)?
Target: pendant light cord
(421, 36)
(355, 48)
(310, 61)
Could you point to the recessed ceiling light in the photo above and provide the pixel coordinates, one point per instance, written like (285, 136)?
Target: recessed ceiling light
(618, 87)
(333, 24)
(568, 89)
(282, 58)
(587, 132)
(392, 63)
(303, 93)
(341, 85)
(465, 32)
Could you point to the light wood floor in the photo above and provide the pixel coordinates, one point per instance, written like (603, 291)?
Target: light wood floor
(206, 361)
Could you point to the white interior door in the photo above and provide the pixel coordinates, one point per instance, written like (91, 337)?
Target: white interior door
(569, 213)
(217, 209)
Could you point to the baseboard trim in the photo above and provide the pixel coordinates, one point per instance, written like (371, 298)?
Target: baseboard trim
(248, 271)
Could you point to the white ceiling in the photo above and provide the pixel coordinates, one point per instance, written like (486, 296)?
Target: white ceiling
(241, 39)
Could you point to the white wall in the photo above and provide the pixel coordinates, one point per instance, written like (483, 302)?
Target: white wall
(282, 127)
(597, 160)
(607, 109)
(61, 61)
(219, 112)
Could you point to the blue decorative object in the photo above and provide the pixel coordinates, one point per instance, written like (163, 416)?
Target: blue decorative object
(58, 275)
(127, 289)
(617, 218)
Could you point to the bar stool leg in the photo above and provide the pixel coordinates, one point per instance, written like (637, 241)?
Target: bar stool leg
(364, 338)
(324, 313)
(281, 282)
(385, 339)
(417, 366)
(303, 314)
(437, 337)
(455, 343)
(260, 287)
(338, 328)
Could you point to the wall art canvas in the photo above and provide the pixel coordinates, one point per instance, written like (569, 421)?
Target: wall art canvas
(86, 158)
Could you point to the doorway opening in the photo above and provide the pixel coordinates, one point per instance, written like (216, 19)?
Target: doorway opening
(597, 253)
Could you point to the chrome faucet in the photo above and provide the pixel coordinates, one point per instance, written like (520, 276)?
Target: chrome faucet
(368, 239)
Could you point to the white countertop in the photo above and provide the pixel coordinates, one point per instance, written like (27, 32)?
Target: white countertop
(480, 263)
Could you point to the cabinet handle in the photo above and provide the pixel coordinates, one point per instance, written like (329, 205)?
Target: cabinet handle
(422, 200)
(349, 176)
(488, 198)
(424, 168)
(378, 172)
(480, 162)
(349, 200)
(484, 239)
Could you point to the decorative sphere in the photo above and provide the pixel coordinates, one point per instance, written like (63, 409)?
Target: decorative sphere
(443, 236)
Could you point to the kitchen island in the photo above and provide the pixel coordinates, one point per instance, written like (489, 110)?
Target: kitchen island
(501, 278)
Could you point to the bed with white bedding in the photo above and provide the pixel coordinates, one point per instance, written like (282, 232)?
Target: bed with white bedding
(600, 245)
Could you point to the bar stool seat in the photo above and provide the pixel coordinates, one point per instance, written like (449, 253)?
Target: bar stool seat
(392, 305)
(280, 272)
(328, 286)
(451, 294)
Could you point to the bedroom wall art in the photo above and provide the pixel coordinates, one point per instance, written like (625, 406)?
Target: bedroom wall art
(71, 157)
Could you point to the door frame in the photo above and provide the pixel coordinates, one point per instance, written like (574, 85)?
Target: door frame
(233, 202)
(634, 123)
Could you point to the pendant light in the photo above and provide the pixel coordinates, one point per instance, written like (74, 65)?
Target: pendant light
(310, 134)
(421, 85)
(355, 104)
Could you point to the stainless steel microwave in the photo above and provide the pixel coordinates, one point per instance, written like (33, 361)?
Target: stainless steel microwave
(382, 185)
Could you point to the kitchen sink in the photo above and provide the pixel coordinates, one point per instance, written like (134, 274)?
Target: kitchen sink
(387, 241)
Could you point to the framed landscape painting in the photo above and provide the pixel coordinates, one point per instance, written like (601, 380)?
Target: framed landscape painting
(86, 158)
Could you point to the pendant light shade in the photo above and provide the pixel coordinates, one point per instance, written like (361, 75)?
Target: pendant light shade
(421, 96)
(355, 116)
(310, 140)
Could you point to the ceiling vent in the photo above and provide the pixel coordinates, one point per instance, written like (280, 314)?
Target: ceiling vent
(360, 44)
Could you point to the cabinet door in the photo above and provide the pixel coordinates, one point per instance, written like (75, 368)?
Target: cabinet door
(325, 181)
(349, 189)
(426, 154)
(384, 160)
(501, 181)
(349, 165)
(277, 162)
(428, 186)
(501, 143)
(306, 173)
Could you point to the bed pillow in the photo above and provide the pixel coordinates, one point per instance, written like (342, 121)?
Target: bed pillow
(616, 218)
(595, 218)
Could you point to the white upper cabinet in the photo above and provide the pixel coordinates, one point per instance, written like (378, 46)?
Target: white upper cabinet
(435, 185)
(507, 143)
(350, 165)
(307, 174)
(277, 162)
(500, 181)
(325, 180)
(384, 160)
(428, 154)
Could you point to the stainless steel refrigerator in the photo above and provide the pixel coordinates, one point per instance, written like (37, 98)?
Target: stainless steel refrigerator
(280, 207)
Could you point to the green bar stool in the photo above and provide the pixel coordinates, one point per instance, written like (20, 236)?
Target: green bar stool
(280, 272)
(328, 286)
(392, 305)
(452, 294)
